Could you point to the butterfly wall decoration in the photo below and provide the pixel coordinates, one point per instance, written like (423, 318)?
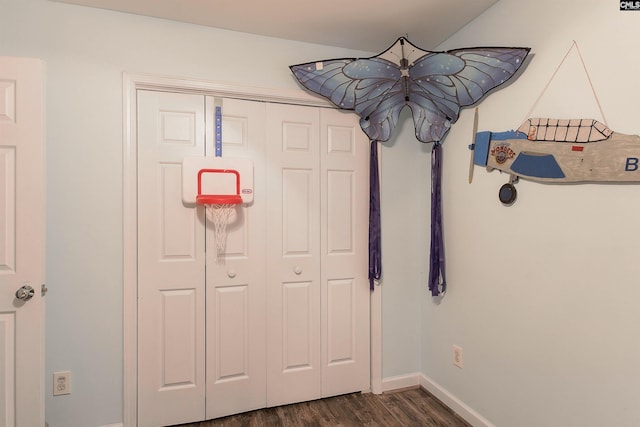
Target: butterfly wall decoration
(435, 86)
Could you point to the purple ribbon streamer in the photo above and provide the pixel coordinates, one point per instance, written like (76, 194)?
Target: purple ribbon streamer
(437, 282)
(375, 249)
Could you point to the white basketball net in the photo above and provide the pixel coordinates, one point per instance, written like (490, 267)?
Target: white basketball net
(218, 215)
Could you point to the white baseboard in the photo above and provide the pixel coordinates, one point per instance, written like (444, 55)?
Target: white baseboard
(401, 381)
(456, 405)
(115, 425)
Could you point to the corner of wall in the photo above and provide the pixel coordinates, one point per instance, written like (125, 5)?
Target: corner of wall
(455, 404)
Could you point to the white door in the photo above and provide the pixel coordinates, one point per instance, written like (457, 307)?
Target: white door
(293, 254)
(201, 327)
(345, 307)
(22, 242)
(317, 254)
(267, 324)
(236, 289)
(171, 263)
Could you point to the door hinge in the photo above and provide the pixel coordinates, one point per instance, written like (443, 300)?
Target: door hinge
(43, 290)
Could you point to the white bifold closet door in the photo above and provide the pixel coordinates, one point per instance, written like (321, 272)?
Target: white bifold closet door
(318, 297)
(285, 316)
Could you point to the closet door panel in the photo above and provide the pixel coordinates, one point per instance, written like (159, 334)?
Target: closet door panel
(344, 160)
(236, 287)
(341, 221)
(297, 218)
(297, 327)
(341, 322)
(232, 334)
(293, 254)
(171, 264)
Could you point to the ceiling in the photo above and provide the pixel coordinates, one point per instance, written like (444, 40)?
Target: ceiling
(368, 25)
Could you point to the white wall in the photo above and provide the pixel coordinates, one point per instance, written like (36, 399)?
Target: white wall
(86, 51)
(543, 296)
(405, 196)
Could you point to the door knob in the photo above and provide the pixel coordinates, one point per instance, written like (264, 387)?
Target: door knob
(25, 293)
(297, 270)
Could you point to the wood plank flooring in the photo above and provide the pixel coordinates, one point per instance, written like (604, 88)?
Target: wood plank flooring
(408, 407)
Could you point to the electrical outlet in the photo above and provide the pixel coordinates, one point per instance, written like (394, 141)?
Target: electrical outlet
(61, 383)
(457, 356)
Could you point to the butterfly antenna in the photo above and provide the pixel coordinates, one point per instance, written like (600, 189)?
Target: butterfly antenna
(403, 60)
(404, 70)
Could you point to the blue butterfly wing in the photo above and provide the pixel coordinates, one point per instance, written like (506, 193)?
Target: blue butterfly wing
(371, 87)
(443, 82)
(326, 78)
(379, 96)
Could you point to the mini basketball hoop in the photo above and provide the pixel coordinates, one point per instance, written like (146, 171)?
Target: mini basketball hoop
(219, 184)
(219, 207)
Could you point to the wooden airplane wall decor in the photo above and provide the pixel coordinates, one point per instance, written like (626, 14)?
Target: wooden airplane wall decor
(557, 150)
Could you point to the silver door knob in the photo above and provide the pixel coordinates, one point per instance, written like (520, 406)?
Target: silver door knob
(25, 293)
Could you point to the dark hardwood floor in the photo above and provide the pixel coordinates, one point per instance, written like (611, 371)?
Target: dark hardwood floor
(409, 407)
